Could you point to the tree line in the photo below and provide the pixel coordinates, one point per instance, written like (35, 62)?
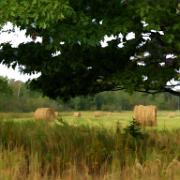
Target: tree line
(17, 97)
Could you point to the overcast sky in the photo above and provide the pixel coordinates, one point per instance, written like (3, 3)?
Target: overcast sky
(15, 38)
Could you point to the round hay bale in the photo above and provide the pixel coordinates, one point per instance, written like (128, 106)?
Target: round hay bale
(145, 115)
(171, 115)
(47, 114)
(97, 114)
(57, 113)
(109, 114)
(77, 114)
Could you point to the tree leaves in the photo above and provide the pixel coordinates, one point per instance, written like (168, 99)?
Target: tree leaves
(83, 66)
(4, 86)
(40, 12)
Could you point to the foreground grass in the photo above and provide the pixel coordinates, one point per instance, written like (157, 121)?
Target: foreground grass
(38, 150)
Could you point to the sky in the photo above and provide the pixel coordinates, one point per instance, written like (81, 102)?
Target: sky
(15, 38)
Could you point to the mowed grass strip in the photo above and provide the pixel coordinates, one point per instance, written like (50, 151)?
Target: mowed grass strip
(108, 120)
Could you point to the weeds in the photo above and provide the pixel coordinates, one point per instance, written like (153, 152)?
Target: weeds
(134, 130)
(29, 149)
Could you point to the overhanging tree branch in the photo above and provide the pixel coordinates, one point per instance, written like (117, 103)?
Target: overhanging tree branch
(84, 66)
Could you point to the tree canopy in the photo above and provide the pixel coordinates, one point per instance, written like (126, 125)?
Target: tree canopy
(76, 28)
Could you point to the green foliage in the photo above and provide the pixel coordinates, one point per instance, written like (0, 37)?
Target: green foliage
(84, 67)
(39, 12)
(16, 97)
(5, 88)
(120, 100)
(134, 130)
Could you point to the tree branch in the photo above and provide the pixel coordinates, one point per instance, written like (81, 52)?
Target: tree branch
(171, 91)
(176, 93)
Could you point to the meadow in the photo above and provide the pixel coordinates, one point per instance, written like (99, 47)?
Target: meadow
(107, 120)
(88, 147)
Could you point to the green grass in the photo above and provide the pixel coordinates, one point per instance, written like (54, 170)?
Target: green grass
(12, 115)
(87, 148)
(105, 120)
(122, 118)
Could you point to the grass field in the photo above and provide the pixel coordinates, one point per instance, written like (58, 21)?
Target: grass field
(123, 118)
(106, 120)
(88, 148)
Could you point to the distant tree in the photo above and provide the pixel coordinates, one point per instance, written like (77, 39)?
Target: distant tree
(75, 29)
(16, 97)
(5, 88)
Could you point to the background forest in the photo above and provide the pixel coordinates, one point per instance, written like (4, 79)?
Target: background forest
(16, 97)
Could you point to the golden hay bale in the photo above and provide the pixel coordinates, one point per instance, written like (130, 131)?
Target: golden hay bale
(145, 115)
(77, 114)
(97, 114)
(47, 114)
(57, 113)
(171, 115)
(109, 114)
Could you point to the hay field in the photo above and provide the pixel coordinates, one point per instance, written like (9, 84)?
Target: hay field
(88, 147)
(122, 118)
(107, 120)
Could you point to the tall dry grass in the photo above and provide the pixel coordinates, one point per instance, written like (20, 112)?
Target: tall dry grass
(30, 150)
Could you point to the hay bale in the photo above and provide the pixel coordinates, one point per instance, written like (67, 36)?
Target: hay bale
(145, 115)
(171, 115)
(47, 114)
(109, 114)
(57, 113)
(97, 114)
(77, 114)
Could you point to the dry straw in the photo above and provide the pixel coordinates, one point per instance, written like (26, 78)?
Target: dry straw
(138, 167)
(145, 115)
(77, 114)
(47, 114)
(171, 114)
(97, 114)
(57, 113)
(109, 114)
(172, 168)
